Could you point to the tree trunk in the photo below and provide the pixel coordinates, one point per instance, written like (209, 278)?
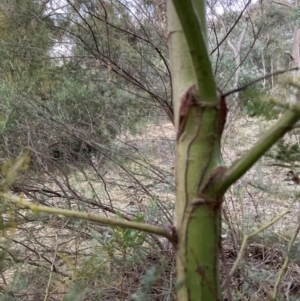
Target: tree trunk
(199, 123)
(296, 36)
(296, 53)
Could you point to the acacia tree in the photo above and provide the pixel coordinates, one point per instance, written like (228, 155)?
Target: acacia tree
(200, 114)
(201, 179)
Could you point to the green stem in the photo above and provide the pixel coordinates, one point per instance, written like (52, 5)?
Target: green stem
(114, 222)
(240, 167)
(192, 18)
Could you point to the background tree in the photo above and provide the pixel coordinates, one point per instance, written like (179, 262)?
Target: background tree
(293, 7)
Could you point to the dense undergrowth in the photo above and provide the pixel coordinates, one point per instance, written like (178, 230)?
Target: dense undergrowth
(58, 258)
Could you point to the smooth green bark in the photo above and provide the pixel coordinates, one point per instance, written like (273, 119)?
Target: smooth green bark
(192, 24)
(198, 218)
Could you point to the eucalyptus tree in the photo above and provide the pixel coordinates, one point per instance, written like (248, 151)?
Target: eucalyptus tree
(232, 33)
(247, 41)
(293, 8)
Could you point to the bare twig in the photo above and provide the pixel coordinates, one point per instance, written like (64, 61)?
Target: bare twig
(247, 85)
(51, 270)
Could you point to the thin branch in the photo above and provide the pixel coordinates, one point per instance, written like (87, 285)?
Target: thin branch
(285, 264)
(284, 105)
(245, 57)
(51, 270)
(283, 3)
(241, 166)
(114, 222)
(231, 29)
(247, 237)
(247, 85)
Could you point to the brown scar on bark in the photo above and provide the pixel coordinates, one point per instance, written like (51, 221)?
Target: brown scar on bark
(188, 100)
(216, 175)
(174, 235)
